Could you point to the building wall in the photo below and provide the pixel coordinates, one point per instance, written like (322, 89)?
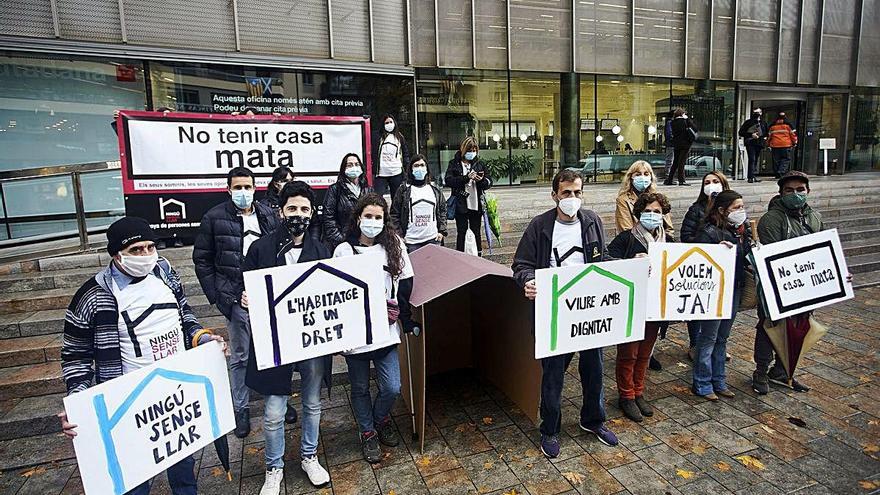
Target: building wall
(778, 41)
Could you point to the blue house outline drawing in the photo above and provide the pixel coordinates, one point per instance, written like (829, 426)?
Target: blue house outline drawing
(274, 301)
(107, 423)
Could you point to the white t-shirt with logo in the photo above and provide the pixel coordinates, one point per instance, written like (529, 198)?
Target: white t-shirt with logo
(149, 322)
(292, 257)
(389, 157)
(568, 245)
(422, 220)
(250, 232)
(391, 285)
(473, 200)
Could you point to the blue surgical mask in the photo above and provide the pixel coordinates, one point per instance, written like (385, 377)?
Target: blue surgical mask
(641, 182)
(371, 227)
(650, 220)
(243, 198)
(420, 173)
(353, 172)
(470, 155)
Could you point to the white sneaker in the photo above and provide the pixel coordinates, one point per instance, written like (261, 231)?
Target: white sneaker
(272, 485)
(317, 474)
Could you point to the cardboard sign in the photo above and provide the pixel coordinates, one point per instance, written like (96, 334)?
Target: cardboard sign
(803, 273)
(138, 425)
(590, 306)
(690, 281)
(307, 310)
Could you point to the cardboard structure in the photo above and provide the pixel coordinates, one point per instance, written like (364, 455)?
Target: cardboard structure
(472, 315)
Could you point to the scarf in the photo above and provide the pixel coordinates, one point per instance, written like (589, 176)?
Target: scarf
(354, 188)
(644, 236)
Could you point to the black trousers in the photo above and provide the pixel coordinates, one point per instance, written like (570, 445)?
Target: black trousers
(754, 154)
(677, 169)
(593, 405)
(472, 219)
(387, 184)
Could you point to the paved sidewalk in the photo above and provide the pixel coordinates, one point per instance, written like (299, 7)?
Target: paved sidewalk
(477, 442)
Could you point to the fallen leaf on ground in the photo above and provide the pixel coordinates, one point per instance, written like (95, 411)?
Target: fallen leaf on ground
(768, 429)
(864, 379)
(871, 448)
(684, 473)
(698, 449)
(681, 389)
(531, 453)
(218, 472)
(574, 478)
(750, 462)
(617, 421)
(424, 461)
(722, 466)
(488, 420)
(252, 450)
(31, 472)
(869, 485)
(488, 465)
(647, 439)
(392, 492)
(511, 492)
(797, 422)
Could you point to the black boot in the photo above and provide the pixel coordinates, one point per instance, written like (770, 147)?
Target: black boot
(290, 416)
(631, 410)
(654, 365)
(760, 382)
(242, 423)
(644, 407)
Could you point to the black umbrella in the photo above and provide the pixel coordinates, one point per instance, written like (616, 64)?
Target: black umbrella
(222, 446)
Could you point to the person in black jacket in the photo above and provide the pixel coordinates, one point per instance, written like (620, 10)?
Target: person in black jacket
(392, 155)
(418, 211)
(565, 236)
(469, 181)
(754, 134)
(633, 357)
(290, 244)
(350, 186)
(280, 177)
(225, 234)
(713, 183)
(725, 224)
(684, 132)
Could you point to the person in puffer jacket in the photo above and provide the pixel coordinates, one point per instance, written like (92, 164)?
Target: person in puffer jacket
(351, 185)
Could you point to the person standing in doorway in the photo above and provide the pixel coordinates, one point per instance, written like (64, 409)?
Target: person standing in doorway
(469, 181)
(754, 134)
(393, 155)
(418, 211)
(225, 235)
(781, 140)
(684, 133)
(667, 144)
(565, 236)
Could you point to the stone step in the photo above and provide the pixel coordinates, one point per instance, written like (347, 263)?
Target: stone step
(19, 453)
(32, 416)
(31, 380)
(30, 350)
(864, 280)
(863, 263)
(72, 278)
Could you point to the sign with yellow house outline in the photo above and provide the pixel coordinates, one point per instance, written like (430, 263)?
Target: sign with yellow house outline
(690, 282)
(590, 306)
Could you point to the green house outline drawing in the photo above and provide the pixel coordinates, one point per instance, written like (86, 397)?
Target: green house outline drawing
(557, 293)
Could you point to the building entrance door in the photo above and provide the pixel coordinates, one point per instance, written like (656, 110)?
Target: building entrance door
(793, 111)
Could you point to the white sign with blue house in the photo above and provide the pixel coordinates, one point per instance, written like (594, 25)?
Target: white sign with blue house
(140, 424)
(307, 310)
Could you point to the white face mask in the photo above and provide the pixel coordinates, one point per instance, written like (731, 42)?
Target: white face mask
(570, 206)
(371, 227)
(389, 127)
(712, 189)
(737, 217)
(138, 266)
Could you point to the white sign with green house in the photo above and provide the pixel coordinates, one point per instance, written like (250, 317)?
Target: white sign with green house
(590, 306)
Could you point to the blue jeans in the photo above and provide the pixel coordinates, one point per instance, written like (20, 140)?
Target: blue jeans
(311, 372)
(710, 361)
(693, 332)
(239, 346)
(370, 414)
(180, 477)
(590, 370)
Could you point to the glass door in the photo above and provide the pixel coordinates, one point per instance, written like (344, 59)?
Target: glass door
(824, 120)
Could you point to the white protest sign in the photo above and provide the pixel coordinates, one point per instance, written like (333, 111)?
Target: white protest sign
(138, 425)
(195, 153)
(803, 273)
(690, 281)
(307, 310)
(589, 306)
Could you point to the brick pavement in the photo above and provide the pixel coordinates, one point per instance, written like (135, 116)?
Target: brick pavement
(478, 442)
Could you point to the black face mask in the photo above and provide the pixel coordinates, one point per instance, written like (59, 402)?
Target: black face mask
(296, 224)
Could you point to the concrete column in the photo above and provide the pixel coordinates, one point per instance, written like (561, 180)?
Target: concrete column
(570, 125)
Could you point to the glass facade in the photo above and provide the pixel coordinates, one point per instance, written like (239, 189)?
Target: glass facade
(864, 131)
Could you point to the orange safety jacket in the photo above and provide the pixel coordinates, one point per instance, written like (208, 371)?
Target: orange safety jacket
(781, 136)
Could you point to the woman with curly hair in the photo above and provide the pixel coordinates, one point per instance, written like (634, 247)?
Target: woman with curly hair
(638, 179)
(370, 231)
(633, 357)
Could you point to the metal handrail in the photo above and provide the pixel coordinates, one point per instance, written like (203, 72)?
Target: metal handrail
(33, 173)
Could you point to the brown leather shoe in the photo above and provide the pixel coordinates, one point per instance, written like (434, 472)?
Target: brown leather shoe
(710, 396)
(726, 393)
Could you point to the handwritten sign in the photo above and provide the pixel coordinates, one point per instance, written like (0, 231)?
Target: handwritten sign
(589, 306)
(801, 274)
(690, 281)
(140, 424)
(314, 309)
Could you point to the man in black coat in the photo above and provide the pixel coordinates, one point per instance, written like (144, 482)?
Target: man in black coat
(565, 236)
(289, 244)
(225, 234)
(754, 134)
